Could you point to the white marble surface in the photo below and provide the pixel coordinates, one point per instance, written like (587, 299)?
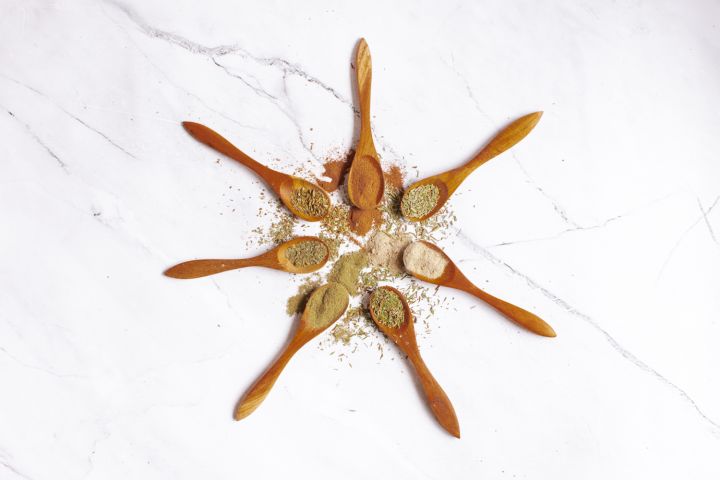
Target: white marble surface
(605, 221)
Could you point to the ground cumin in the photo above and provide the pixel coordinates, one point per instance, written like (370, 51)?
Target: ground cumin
(326, 305)
(346, 270)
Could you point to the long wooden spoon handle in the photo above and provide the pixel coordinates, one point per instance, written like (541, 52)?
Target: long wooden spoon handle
(508, 137)
(519, 315)
(437, 398)
(203, 268)
(363, 70)
(260, 389)
(217, 142)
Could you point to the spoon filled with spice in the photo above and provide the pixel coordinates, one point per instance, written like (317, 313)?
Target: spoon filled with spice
(365, 184)
(391, 313)
(299, 255)
(325, 305)
(302, 198)
(424, 198)
(427, 262)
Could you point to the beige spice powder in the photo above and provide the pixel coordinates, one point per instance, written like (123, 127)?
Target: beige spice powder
(423, 260)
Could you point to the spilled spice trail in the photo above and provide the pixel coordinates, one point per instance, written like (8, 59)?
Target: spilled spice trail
(336, 171)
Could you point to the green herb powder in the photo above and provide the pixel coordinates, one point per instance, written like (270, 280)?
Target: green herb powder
(326, 304)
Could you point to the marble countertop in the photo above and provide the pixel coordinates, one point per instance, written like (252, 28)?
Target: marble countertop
(605, 221)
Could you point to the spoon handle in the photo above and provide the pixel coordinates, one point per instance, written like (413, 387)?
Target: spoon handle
(217, 142)
(203, 268)
(260, 389)
(519, 315)
(437, 398)
(363, 70)
(507, 138)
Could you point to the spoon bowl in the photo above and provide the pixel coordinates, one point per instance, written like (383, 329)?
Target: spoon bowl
(403, 336)
(319, 314)
(285, 186)
(452, 277)
(449, 181)
(277, 259)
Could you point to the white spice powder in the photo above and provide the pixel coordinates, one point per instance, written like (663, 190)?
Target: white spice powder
(386, 251)
(423, 260)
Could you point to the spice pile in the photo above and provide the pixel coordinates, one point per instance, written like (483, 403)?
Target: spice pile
(360, 262)
(379, 239)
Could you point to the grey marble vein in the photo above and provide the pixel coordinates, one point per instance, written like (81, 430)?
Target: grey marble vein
(590, 321)
(38, 140)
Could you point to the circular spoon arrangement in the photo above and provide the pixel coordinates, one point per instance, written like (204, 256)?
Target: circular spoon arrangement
(387, 307)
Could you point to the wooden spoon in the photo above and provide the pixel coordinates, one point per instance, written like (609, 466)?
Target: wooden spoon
(404, 338)
(452, 277)
(285, 186)
(366, 184)
(449, 181)
(307, 329)
(275, 258)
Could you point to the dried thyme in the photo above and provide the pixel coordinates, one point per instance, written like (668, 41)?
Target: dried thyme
(387, 308)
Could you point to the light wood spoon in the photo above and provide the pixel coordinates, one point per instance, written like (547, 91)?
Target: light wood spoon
(452, 277)
(285, 186)
(404, 337)
(317, 317)
(366, 183)
(449, 181)
(276, 259)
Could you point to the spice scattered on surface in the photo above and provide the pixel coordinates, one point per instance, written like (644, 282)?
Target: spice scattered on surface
(335, 170)
(281, 229)
(296, 303)
(394, 177)
(419, 258)
(346, 270)
(361, 221)
(325, 305)
(310, 201)
(355, 324)
(306, 253)
(385, 250)
(419, 201)
(387, 308)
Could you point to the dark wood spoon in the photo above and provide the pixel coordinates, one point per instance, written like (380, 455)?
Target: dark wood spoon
(404, 337)
(449, 181)
(285, 186)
